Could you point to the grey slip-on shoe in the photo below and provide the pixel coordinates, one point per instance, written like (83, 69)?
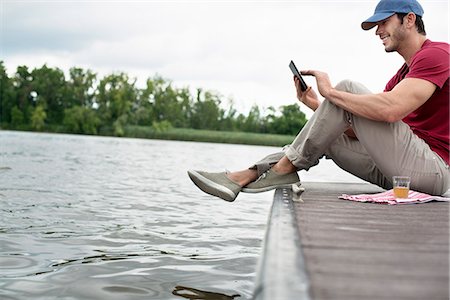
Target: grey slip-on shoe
(271, 180)
(216, 184)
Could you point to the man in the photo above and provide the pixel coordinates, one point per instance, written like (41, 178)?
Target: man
(401, 131)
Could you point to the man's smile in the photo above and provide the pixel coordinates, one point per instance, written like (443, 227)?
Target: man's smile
(384, 38)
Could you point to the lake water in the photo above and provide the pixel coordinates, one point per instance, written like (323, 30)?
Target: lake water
(85, 217)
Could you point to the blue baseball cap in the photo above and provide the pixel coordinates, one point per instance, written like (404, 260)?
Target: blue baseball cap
(387, 8)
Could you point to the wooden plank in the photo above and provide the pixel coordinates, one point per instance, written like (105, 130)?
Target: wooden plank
(372, 251)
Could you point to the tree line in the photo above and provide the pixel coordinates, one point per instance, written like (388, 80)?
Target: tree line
(45, 99)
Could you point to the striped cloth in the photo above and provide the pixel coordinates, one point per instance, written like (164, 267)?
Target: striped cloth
(389, 198)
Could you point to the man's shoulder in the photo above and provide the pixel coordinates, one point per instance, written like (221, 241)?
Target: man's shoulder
(432, 53)
(436, 46)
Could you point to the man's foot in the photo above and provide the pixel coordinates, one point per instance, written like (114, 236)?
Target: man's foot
(271, 180)
(216, 184)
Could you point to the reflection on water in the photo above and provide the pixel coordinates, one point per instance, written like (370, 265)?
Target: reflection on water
(191, 293)
(107, 218)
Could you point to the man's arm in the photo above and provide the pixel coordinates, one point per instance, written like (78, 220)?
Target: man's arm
(390, 106)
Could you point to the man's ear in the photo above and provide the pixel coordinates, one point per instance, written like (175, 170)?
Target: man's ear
(410, 20)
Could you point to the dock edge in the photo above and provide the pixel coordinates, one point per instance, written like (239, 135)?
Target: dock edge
(281, 271)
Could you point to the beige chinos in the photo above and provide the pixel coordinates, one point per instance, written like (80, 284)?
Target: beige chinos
(381, 151)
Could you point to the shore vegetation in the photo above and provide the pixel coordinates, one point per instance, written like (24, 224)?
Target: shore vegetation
(45, 99)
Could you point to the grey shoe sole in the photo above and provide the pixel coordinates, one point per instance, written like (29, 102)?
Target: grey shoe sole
(267, 188)
(210, 187)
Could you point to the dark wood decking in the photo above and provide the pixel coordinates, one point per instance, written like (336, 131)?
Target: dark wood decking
(372, 251)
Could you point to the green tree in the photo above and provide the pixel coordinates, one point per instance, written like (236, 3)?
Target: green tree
(184, 110)
(163, 102)
(229, 117)
(253, 122)
(115, 98)
(50, 92)
(7, 95)
(240, 119)
(17, 116)
(142, 115)
(80, 87)
(206, 111)
(119, 125)
(23, 101)
(79, 119)
(290, 121)
(38, 118)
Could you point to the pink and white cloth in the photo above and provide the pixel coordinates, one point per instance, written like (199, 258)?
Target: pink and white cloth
(389, 198)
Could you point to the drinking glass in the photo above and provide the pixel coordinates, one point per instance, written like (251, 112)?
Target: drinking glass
(401, 186)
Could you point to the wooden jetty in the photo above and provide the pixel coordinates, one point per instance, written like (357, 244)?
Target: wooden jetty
(329, 248)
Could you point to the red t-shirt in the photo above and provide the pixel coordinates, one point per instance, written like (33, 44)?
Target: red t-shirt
(430, 122)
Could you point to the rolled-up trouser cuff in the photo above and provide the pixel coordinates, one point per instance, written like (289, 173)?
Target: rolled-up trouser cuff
(300, 162)
(267, 162)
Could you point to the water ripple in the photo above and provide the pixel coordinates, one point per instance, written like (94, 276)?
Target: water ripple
(107, 218)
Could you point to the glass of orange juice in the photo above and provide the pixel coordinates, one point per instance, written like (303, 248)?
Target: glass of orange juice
(401, 186)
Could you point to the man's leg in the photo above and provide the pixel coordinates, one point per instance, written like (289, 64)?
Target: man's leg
(346, 152)
(351, 156)
(396, 150)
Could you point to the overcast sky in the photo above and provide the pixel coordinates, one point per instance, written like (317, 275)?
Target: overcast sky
(240, 49)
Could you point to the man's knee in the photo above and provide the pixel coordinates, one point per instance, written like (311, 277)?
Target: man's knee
(353, 87)
(344, 85)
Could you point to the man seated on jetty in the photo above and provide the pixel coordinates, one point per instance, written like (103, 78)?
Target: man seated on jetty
(402, 131)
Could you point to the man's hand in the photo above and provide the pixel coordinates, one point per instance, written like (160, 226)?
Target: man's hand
(323, 82)
(308, 97)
